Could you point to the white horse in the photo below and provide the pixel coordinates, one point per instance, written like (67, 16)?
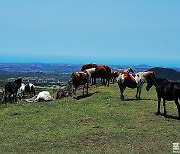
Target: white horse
(42, 96)
(90, 72)
(133, 81)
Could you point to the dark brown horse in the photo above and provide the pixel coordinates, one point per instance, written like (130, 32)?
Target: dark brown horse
(87, 66)
(166, 90)
(11, 89)
(103, 72)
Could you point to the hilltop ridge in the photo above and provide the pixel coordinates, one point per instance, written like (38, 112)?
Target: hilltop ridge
(166, 73)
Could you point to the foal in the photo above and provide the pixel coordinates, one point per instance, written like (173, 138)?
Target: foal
(166, 90)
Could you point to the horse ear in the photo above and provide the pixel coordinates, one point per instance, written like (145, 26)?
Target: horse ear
(72, 75)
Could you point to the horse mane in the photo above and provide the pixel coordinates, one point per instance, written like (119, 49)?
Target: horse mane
(18, 81)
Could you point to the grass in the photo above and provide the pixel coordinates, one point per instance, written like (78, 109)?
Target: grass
(99, 123)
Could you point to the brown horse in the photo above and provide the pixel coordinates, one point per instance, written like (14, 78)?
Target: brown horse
(133, 81)
(103, 72)
(87, 66)
(79, 78)
(115, 74)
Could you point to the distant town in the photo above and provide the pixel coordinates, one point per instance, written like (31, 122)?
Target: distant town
(38, 80)
(50, 74)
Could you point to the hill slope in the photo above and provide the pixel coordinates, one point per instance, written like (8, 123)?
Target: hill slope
(167, 73)
(99, 123)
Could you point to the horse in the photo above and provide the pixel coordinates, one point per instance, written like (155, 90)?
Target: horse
(115, 74)
(28, 88)
(42, 96)
(133, 81)
(103, 72)
(79, 78)
(11, 89)
(166, 90)
(91, 72)
(88, 66)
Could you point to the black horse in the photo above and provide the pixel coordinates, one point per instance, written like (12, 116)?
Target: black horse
(166, 90)
(11, 89)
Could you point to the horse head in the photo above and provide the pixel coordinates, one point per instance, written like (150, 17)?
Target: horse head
(129, 70)
(18, 82)
(150, 81)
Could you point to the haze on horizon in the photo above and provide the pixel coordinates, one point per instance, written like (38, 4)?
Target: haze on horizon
(123, 32)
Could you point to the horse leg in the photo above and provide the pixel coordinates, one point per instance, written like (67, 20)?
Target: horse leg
(33, 91)
(159, 101)
(5, 97)
(10, 98)
(73, 91)
(87, 89)
(19, 95)
(121, 91)
(13, 100)
(137, 92)
(178, 107)
(164, 104)
(102, 81)
(107, 82)
(113, 79)
(140, 88)
(15, 97)
(94, 81)
(83, 89)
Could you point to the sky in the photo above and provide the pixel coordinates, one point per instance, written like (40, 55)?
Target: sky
(119, 32)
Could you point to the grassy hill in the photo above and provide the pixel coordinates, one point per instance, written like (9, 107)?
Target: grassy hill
(166, 73)
(99, 123)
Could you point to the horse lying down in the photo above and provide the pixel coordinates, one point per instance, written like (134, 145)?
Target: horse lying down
(42, 96)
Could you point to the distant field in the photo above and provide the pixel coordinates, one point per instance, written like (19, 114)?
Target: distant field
(99, 123)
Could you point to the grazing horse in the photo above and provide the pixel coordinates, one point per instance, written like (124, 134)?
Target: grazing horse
(115, 74)
(87, 66)
(166, 90)
(133, 81)
(79, 78)
(11, 89)
(103, 72)
(28, 88)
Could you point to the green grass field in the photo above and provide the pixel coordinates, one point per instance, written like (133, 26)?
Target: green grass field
(99, 123)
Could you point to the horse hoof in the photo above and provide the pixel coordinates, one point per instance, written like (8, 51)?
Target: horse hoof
(157, 113)
(164, 114)
(122, 99)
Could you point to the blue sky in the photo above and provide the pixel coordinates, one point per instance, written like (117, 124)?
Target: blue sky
(124, 32)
